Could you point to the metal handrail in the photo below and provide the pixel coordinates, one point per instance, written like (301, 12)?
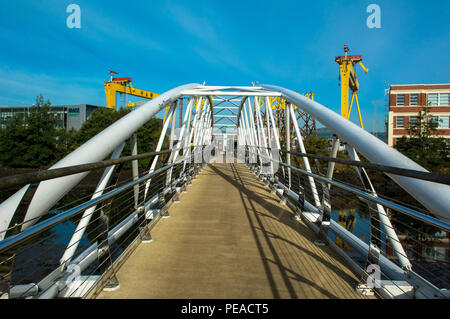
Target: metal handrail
(34, 177)
(16, 240)
(427, 176)
(400, 208)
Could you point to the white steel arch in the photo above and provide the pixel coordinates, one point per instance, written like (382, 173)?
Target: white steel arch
(434, 196)
(96, 149)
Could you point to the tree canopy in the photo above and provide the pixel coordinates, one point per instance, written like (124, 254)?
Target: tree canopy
(424, 146)
(33, 139)
(100, 119)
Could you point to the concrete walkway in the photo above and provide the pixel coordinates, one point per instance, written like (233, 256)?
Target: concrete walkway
(230, 238)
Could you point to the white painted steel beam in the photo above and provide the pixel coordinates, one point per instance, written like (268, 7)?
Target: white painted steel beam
(226, 93)
(312, 183)
(434, 196)
(87, 215)
(94, 150)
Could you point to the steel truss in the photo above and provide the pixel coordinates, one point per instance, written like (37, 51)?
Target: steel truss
(264, 120)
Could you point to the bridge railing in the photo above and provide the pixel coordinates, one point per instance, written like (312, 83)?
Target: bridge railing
(397, 249)
(85, 222)
(73, 250)
(313, 194)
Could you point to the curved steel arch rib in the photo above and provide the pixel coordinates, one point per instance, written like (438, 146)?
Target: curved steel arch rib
(96, 149)
(434, 196)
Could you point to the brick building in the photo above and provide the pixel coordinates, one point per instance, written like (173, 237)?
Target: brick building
(405, 102)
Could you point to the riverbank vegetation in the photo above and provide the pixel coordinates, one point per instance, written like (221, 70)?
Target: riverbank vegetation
(34, 141)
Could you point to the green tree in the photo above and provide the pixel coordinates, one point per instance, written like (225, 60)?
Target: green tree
(147, 135)
(65, 141)
(12, 144)
(42, 137)
(32, 140)
(317, 145)
(423, 146)
(313, 145)
(100, 119)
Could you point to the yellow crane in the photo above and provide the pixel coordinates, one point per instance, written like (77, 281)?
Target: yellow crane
(349, 81)
(123, 86)
(135, 104)
(278, 103)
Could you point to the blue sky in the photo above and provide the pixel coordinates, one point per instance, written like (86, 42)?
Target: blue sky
(163, 44)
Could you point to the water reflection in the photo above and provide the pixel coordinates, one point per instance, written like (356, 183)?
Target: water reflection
(426, 247)
(36, 260)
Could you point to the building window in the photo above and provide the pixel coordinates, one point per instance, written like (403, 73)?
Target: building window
(400, 122)
(400, 99)
(441, 99)
(444, 122)
(444, 99)
(413, 121)
(433, 99)
(413, 99)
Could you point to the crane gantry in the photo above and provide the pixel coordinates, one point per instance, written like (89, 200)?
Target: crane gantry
(349, 81)
(123, 86)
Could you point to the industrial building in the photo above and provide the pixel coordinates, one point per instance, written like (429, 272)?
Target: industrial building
(405, 102)
(69, 116)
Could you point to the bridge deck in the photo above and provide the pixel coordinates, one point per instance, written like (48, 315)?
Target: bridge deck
(230, 238)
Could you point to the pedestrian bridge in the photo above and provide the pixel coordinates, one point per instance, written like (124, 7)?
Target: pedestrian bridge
(229, 237)
(235, 207)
